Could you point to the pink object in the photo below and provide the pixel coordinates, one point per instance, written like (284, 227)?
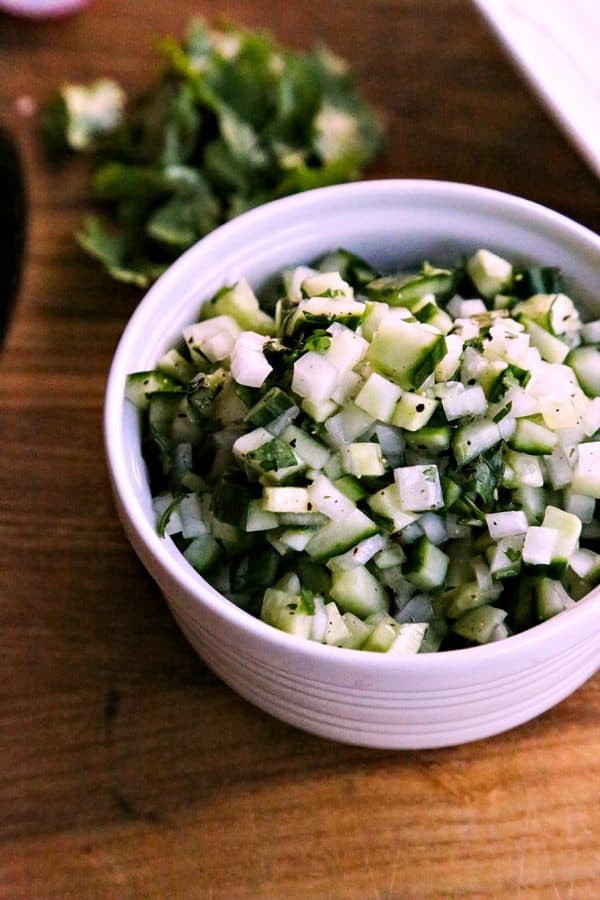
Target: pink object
(41, 9)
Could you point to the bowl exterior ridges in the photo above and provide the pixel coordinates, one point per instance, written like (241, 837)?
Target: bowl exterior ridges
(360, 698)
(407, 716)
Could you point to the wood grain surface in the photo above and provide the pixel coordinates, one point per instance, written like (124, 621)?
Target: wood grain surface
(127, 770)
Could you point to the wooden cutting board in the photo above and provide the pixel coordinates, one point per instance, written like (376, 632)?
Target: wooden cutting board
(127, 770)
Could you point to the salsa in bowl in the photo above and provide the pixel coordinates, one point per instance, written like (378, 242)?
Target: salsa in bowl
(410, 589)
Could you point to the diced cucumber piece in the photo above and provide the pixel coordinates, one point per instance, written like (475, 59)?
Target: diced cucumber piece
(579, 505)
(270, 406)
(351, 487)
(310, 450)
(346, 348)
(314, 377)
(406, 352)
(467, 596)
(296, 538)
(392, 443)
(319, 412)
(241, 304)
(491, 274)
(451, 491)
(459, 308)
(333, 467)
(426, 565)
(555, 313)
(551, 598)
(258, 518)
(286, 499)
(347, 425)
(374, 314)
(359, 555)
(391, 555)
(419, 488)
(229, 407)
(559, 413)
(327, 499)
(383, 636)
(551, 348)
(337, 630)
(433, 438)
(386, 503)
(362, 460)
(326, 284)
(586, 475)
(568, 528)
(471, 439)
(193, 516)
(293, 278)
(470, 402)
(405, 290)
(506, 524)
(291, 613)
(358, 592)
(251, 441)
(347, 386)
(338, 536)
(413, 411)
(140, 384)
(213, 339)
(539, 545)
(585, 362)
(320, 312)
(531, 436)
(434, 528)
(427, 311)
(231, 537)
(586, 565)
(320, 621)
(358, 632)
(176, 366)
(524, 470)
(504, 557)
(378, 397)
(448, 365)
(167, 409)
(479, 624)
(417, 608)
(247, 362)
(203, 553)
(302, 519)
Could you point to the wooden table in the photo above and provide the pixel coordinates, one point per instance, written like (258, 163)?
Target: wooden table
(127, 769)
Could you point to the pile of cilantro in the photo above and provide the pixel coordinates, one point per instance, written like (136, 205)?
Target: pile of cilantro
(233, 121)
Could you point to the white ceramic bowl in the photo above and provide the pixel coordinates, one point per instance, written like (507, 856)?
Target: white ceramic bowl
(370, 699)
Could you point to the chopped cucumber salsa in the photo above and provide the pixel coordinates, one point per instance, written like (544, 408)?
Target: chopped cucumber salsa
(400, 463)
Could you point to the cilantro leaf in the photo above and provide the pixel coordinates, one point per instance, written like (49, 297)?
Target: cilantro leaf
(232, 121)
(275, 454)
(319, 341)
(480, 480)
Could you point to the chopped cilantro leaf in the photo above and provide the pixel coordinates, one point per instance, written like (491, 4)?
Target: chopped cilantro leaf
(275, 454)
(232, 121)
(319, 341)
